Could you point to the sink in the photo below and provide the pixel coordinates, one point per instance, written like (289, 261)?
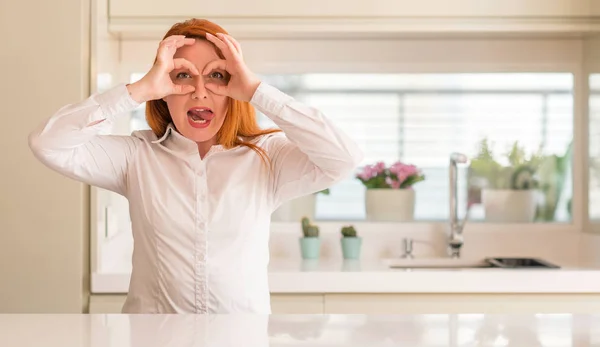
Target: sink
(452, 263)
(521, 263)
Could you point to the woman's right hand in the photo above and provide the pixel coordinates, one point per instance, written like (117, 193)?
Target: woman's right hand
(157, 83)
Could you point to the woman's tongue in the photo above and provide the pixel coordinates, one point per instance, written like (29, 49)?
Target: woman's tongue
(201, 115)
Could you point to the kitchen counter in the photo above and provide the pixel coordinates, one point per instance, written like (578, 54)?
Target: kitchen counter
(376, 277)
(54, 330)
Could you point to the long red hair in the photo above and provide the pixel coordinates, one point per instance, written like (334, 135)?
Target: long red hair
(239, 128)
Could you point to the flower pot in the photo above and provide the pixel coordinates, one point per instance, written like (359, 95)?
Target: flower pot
(294, 210)
(390, 205)
(310, 247)
(509, 206)
(351, 247)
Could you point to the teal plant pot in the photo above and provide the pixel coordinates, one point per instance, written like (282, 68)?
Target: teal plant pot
(310, 247)
(351, 247)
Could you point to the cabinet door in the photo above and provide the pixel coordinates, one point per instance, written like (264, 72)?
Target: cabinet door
(460, 303)
(106, 304)
(280, 303)
(297, 303)
(261, 10)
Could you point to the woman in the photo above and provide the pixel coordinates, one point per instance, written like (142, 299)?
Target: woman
(203, 182)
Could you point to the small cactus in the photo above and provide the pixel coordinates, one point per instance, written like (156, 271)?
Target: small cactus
(349, 231)
(308, 229)
(312, 231)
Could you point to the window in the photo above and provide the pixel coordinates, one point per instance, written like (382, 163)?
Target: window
(422, 118)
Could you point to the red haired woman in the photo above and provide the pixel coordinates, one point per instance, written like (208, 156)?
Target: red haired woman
(203, 182)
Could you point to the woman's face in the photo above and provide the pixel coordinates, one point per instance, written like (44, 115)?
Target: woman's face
(199, 115)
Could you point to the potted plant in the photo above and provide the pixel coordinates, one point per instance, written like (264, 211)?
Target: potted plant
(351, 243)
(310, 244)
(390, 195)
(508, 192)
(295, 209)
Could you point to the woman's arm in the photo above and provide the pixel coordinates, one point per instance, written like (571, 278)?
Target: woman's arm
(313, 155)
(70, 141)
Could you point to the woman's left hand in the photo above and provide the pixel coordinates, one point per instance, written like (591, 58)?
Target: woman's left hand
(242, 83)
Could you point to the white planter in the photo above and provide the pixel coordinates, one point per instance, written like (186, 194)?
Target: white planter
(509, 206)
(390, 205)
(294, 210)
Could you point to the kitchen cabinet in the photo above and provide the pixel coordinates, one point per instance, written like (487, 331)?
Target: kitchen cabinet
(405, 303)
(280, 303)
(270, 17)
(297, 303)
(340, 8)
(106, 304)
(460, 303)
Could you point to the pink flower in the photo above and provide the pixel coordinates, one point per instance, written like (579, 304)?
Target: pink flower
(366, 173)
(393, 183)
(403, 171)
(370, 171)
(380, 167)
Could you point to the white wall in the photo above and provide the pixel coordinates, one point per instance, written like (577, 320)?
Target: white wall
(43, 217)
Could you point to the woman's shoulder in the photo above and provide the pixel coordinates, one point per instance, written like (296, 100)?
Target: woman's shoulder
(146, 135)
(268, 141)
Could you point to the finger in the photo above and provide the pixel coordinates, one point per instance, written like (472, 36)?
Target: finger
(170, 40)
(185, 41)
(181, 63)
(227, 52)
(215, 64)
(217, 89)
(236, 44)
(234, 52)
(182, 89)
(168, 49)
(174, 44)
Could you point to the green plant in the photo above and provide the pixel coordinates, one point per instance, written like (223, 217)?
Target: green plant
(324, 192)
(520, 172)
(552, 176)
(308, 229)
(348, 231)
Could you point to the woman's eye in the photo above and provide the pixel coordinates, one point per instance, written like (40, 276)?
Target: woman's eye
(182, 75)
(217, 75)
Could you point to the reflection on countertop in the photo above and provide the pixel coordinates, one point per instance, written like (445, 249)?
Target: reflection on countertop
(528, 330)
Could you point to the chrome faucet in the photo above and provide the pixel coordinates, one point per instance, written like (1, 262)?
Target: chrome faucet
(407, 247)
(455, 239)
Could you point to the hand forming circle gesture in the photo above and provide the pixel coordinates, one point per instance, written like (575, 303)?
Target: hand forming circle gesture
(242, 83)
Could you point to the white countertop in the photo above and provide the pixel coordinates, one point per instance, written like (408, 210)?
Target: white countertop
(376, 277)
(299, 330)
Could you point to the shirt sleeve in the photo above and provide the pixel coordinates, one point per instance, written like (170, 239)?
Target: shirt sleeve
(314, 153)
(71, 142)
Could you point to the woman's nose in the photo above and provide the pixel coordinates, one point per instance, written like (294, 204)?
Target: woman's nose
(201, 92)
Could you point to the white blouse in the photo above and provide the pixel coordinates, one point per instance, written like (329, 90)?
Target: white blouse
(200, 226)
